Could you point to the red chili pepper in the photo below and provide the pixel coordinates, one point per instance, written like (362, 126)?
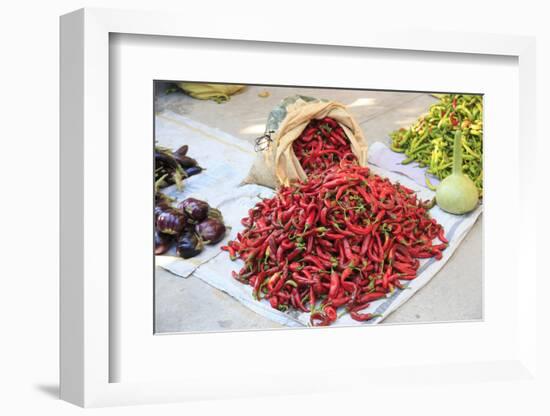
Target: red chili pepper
(259, 280)
(407, 277)
(324, 243)
(364, 246)
(345, 274)
(359, 230)
(309, 247)
(380, 215)
(322, 254)
(359, 307)
(385, 278)
(316, 261)
(349, 287)
(334, 236)
(231, 250)
(319, 317)
(310, 219)
(336, 183)
(298, 301)
(454, 120)
(323, 216)
(340, 301)
(439, 247)
(362, 316)
(334, 285)
(312, 298)
(280, 251)
(274, 302)
(441, 236)
(372, 255)
(330, 312)
(403, 267)
(279, 285)
(347, 249)
(300, 280)
(371, 297)
(295, 253)
(341, 191)
(398, 284)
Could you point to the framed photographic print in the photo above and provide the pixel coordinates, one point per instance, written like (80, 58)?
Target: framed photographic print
(224, 226)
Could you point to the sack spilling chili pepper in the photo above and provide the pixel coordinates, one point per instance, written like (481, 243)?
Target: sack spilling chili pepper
(336, 242)
(429, 142)
(276, 163)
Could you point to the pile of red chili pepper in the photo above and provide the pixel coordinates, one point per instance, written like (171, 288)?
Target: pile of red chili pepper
(336, 242)
(322, 144)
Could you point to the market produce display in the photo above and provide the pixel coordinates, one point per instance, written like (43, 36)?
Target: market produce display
(429, 142)
(189, 225)
(338, 241)
(173, 167)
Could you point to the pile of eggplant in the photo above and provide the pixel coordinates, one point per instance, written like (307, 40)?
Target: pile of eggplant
(189, 225)
(173, 167)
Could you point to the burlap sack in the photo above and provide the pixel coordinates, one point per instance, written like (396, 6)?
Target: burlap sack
(276, 163)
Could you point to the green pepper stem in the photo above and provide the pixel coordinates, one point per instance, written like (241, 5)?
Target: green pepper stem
(457, 153)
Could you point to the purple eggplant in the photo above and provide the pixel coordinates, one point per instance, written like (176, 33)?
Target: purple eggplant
(165, 158)
(182, 151)
(163, 242)
(211, 230)
(193, 170)
(160, 208)
(189, 244)
(185, 161)
(171, 222)
(194, 209)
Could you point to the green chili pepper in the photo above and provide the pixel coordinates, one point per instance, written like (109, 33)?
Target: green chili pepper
(428, 142)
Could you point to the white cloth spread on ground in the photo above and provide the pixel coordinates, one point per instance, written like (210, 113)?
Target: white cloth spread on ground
(227, 160)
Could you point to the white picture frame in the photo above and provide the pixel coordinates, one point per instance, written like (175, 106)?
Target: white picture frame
(86, 355)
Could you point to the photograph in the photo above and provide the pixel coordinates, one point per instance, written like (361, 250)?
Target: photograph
(300, 206)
